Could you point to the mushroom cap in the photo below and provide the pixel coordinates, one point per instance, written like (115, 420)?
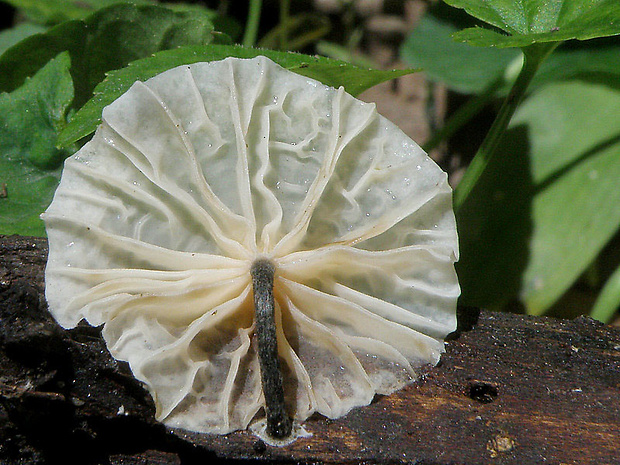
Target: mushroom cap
(200, 170)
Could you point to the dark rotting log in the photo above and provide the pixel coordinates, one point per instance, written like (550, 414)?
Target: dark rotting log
(510, 389)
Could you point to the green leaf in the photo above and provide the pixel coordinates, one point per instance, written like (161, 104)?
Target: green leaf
(597, 60)
(331, 72)
(494, 225)
(534, 21)
(608, 301)
(548, 204)
(108, 39)
(476, 70)
(225, 24)
(51, 12)
(461, 67)
(10, 37)
(30, 163)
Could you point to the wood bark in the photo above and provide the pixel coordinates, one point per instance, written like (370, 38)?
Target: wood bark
(510, 389)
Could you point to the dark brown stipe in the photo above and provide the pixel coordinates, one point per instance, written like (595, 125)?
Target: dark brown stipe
(279, 424)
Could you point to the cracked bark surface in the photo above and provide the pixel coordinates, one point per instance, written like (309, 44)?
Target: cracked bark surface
(510, 389)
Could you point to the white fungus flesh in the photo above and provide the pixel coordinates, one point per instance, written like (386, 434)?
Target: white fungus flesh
(201, 170)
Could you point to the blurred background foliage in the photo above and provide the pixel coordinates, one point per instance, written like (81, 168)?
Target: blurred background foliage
(539, 226)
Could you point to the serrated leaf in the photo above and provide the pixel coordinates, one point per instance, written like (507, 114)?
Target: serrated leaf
(536, 21)
(30, 163)
(331, 72)
(547, 205)
(108, 39)
(474, 70)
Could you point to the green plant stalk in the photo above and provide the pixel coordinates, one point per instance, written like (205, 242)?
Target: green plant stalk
(251, 27)
(285, 7)
(462, 116)
(534, 56)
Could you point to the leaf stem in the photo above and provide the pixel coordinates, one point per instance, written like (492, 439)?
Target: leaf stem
(285, 7)
(534, 56)
(251, 27)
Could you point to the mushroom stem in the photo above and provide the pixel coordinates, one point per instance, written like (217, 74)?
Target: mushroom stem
(279, 424)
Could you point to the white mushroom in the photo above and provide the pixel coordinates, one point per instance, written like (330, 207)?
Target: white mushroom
(210, 174)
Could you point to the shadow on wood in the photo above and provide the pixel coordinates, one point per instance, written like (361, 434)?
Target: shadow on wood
(510, 389)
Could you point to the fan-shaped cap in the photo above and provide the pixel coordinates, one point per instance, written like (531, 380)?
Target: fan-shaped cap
(199, 171)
